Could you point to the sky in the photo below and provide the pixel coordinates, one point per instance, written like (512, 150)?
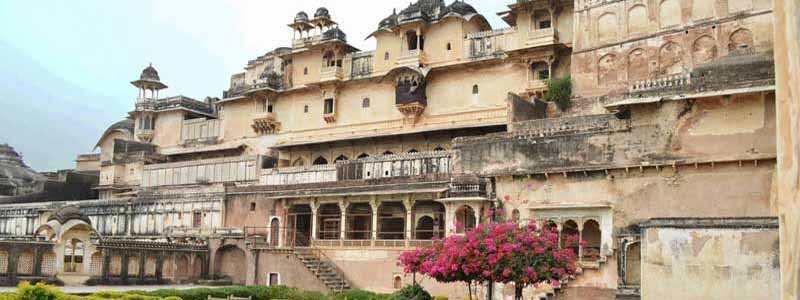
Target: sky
(66, 66)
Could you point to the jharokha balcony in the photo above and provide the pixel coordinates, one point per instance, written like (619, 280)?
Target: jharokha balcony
(265, 123)
(334, 73)
(412, 59)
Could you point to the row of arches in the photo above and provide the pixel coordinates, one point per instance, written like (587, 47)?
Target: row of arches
(363, 221)
(322, 160)
(670, 14)
(670, 58)
(588, 231)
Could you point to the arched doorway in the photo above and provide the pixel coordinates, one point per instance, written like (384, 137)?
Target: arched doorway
(465, 219)
(73, 256)
(299, 224)
(633, 269)
(391, 221)
(182, 268)
(197, 268)
(429, 220)
(228, 261)
(275, 232)
(359, 221)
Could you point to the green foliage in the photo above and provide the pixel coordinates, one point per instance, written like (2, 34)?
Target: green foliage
(8, 296)
(39, 291)
(411, 292)
(440, 297)
(359, 295)
(559, 91)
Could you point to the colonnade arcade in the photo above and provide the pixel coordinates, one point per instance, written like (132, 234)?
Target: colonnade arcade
(358, 223)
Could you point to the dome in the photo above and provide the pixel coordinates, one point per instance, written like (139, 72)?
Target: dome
(389, 21)
(461, 8)
(68, 213)
(322, 13)
(125, 127)
(301, 17)
(150, 74)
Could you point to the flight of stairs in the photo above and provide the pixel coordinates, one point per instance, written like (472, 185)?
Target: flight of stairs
(324, 270)
(548, 292)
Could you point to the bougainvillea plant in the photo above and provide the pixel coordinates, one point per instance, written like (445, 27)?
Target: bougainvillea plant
(502, 252)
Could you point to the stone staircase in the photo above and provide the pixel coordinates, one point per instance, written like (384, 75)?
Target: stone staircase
(323, 268)
(548, 292)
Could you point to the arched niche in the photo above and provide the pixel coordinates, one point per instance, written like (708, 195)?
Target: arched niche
(704, 49)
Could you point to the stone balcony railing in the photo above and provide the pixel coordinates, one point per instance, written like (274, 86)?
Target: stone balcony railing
(664, 83)
(490, 43)
(412, 59)
(328, 74)
(536, 86)
(218, 170)
(390, 166)
(541, 37)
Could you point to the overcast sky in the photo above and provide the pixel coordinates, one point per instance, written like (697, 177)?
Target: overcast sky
(66, 66)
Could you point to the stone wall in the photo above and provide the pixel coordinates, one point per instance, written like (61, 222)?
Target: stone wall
(720, 259)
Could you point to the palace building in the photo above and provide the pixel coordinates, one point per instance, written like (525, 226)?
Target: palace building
(322, 162)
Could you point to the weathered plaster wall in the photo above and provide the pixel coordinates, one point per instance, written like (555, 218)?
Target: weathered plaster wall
(291, 271)
(787, 63)
(710, 264)
(707, 129)
(167, 131)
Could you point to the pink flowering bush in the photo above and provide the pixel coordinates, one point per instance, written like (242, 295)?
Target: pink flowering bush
(496, 252)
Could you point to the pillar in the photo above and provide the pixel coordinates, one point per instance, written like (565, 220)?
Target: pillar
(408, 203)
(105, 273)
(142, 265)
(343, 220)
(375, 204)
(124, 267)
(314, 208)
(160, 266)
(580, 238)
(449, 219)
(37, 261)
(419, 45)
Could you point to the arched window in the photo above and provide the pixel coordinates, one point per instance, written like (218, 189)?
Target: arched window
(320, 161)
(387, 152)
(386, 56)
(365, 103)
(412, 151)
(475, 89)
(449, 47)
(438, 149)
(274, 232)
(363, 155)
(592, 236)
(341, 158)
(73, 256)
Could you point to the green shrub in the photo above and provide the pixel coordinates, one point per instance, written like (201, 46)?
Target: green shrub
(39, 291)
(440, 297)
(8, 296)
(360, 295)
(411, 292)
(559, 91)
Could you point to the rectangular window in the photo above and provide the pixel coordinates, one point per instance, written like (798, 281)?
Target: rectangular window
(274, 279)
(328, 106)
(197, 220)
(269, 108)
(252, 206)
(544, 74)
(544, 24)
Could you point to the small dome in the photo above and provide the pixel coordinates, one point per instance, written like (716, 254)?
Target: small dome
(389, 21)
(68, 213)
(149, 73)
(322, 13)
(461, 8)
(301, 17)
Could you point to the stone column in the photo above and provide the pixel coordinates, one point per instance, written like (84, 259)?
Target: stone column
(449, 219)
(580, 238)
(343, 220)
(375, 204)
(408, 203)
(160, 266)
(142, 265)
(37, 261)
(106, 264)
(314, 208)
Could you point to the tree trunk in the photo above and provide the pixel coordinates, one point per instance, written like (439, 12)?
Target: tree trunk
(518, 291)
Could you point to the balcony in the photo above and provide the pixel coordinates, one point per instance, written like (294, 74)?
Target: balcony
(536, 87)
(145, 135)
(329, 74)
(489, 44)
(265, 123)
(371, 168)
(412, 59)
(541, 37)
